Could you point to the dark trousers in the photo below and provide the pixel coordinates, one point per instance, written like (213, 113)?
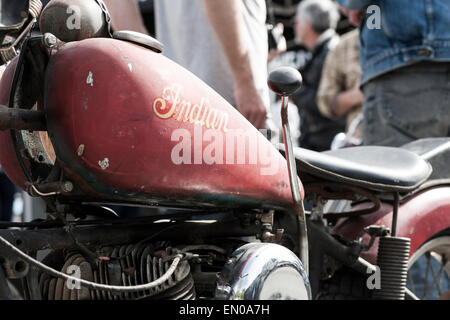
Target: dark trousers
(407, 104)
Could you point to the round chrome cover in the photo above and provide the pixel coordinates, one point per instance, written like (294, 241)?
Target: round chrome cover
(140, 39)
(263, 271)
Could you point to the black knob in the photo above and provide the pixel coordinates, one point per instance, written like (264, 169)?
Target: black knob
(285, 81)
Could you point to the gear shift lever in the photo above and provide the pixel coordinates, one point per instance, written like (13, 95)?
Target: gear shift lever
(284, 81)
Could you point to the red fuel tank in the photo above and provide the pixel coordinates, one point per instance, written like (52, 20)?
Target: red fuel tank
(130, 125)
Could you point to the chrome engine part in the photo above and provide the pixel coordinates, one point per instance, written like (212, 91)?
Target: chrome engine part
(140, 39)
(128, 265)
(263, 271)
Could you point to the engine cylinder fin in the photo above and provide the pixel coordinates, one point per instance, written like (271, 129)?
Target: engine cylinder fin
(143, 266)
(51, 289)
(129, 270)
(127, 265)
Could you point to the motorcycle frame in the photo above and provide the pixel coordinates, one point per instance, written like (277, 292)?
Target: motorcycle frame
(421, 215)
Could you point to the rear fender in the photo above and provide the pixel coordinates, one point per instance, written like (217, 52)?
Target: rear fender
(419, 218)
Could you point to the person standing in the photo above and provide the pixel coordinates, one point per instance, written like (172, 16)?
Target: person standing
(126, 15)
(315, 24)
(339, 94)
(405, 58)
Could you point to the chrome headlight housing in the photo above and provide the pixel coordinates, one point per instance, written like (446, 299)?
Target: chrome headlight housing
(263, 271)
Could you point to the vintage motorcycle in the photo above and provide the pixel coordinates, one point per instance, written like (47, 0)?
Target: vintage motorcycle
(92, 117)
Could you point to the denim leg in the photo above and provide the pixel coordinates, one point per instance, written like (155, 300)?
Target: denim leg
(407, 104)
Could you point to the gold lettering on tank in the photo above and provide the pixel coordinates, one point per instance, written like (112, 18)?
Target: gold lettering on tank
(172, 105)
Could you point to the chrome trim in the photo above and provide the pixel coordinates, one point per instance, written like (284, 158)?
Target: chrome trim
(295, 185)
(139, 38)
(263, 271)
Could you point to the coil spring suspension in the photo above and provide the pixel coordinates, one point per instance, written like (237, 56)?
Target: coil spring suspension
(393, 254)
(35, 8)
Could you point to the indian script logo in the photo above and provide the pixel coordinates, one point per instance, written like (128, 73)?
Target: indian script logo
(171, 105)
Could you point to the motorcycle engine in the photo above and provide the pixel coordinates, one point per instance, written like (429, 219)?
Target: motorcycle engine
(127, 265)
(253, 271)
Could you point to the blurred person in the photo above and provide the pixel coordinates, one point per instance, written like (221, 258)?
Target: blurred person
(277, 41)
(339, 94)
(224, 43)
(148, 15)
(126, 15)
(279, 57)
(315, 24)
(405, 58)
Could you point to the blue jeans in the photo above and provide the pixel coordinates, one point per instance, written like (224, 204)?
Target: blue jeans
(407, 104)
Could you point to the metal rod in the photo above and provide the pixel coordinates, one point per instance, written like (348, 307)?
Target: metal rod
(395, 215)
(110, 235)
(295, 186)
(19, 119)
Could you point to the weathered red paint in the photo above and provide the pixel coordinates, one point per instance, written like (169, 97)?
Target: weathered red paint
(8, 158)
(109, 99)
(421, 217)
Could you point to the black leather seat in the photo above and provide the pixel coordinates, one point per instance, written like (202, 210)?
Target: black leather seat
(437, 152)
(375, 168)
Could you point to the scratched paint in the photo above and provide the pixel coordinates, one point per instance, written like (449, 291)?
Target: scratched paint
(80, 150)
(90, 53)
(90, 79)
(127, 61)
(104, 164)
